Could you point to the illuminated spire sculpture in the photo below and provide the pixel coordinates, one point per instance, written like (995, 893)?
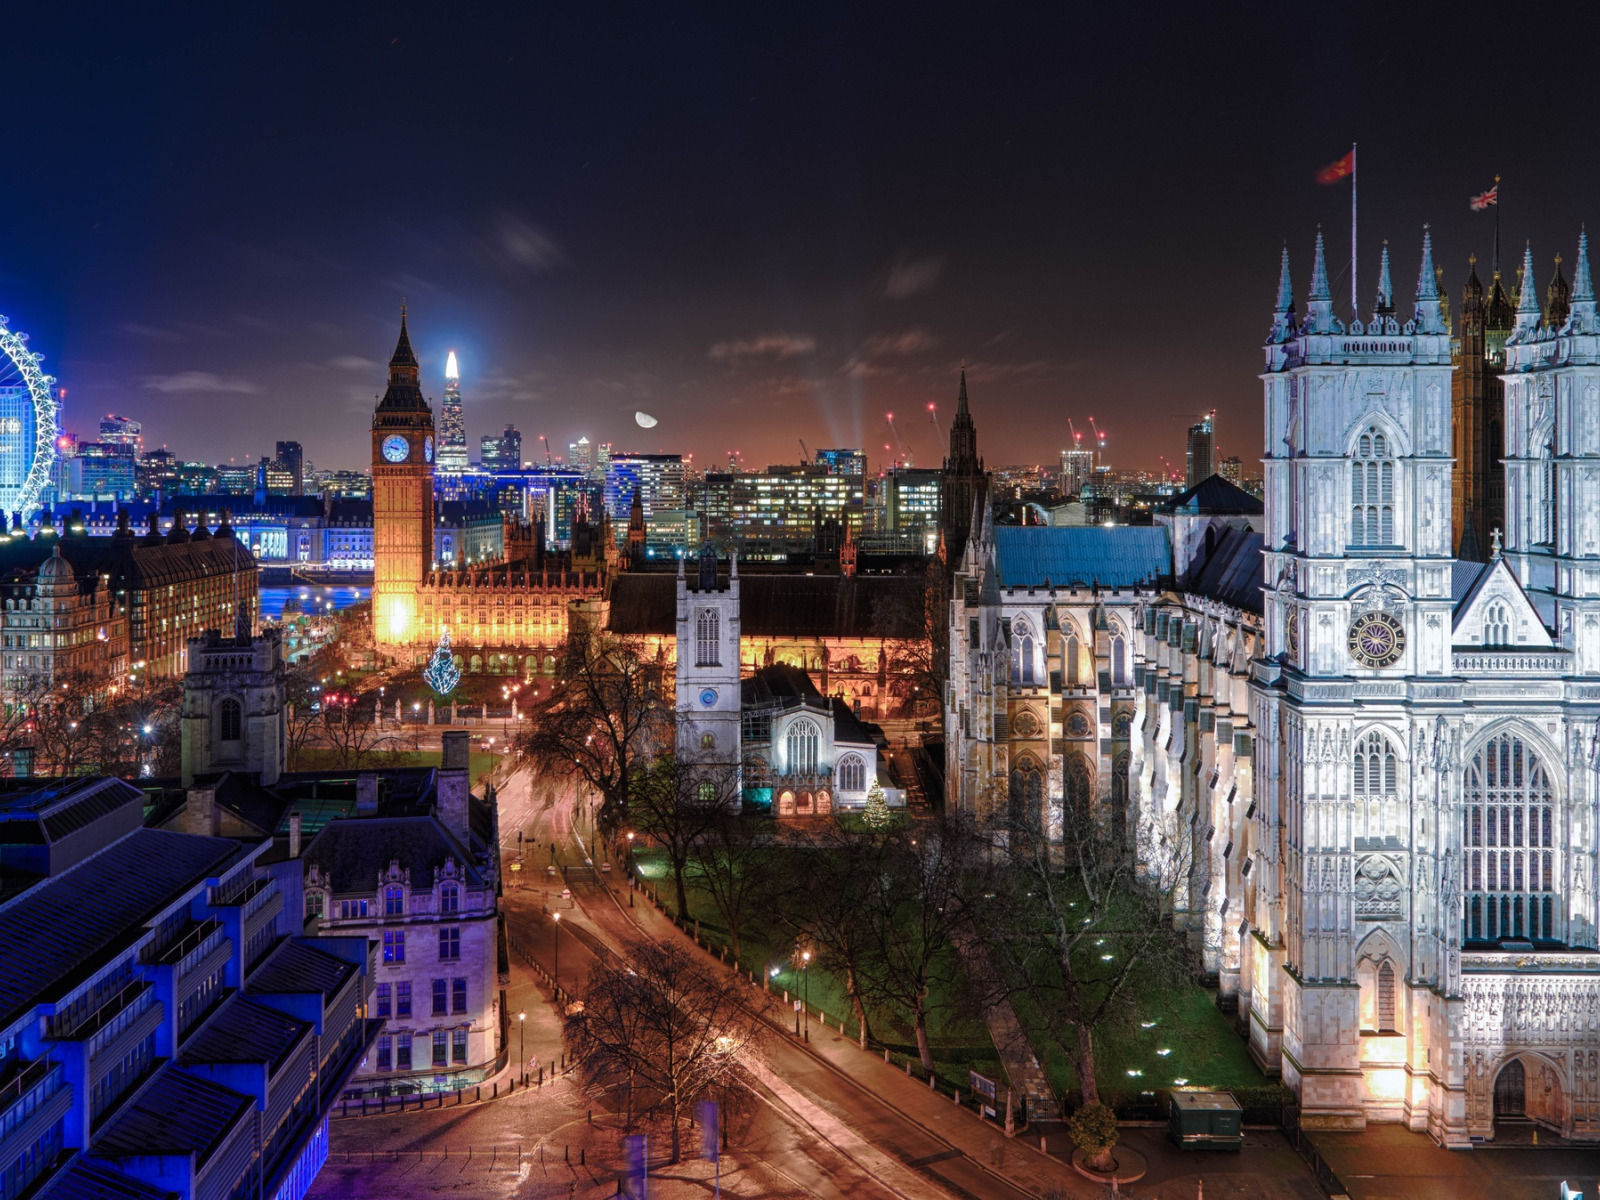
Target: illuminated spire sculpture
(452, 456)
(441, 673)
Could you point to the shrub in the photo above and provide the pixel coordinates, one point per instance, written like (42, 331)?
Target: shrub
(1094, 1131)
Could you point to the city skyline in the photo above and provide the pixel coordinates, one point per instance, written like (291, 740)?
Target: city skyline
(715, 225)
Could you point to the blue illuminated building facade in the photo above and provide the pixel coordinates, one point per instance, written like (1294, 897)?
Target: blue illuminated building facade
(161, 1032)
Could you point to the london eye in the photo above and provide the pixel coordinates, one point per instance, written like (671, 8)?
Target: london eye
(27, 424)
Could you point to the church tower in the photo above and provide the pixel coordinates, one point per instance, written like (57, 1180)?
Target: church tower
(964, 480)
(402, 500)
(708, 696)
(1357, 676)
(1478, 414)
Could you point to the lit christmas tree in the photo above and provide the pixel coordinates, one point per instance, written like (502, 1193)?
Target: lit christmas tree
(441, 673)
(876, 814)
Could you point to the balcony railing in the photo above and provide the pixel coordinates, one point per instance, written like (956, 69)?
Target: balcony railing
(132, 999)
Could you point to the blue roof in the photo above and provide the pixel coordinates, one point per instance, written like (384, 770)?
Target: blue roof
(1120, 556)
(69, 926)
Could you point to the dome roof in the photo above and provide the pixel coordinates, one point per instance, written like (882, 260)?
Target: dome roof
(56, 569)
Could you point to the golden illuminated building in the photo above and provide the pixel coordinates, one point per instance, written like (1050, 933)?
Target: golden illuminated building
(402, 500)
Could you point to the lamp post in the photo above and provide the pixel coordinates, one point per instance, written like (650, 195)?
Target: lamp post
(557, 972)
(522, 1029)
(805, 1003)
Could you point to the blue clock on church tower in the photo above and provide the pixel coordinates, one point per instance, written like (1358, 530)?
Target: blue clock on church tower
(708, 697)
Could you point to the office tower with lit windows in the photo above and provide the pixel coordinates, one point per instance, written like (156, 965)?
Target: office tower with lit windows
(1200, 458)
(452, 455)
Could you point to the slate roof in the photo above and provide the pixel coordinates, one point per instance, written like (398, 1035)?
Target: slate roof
(242, 1031)
(1463, 575)
(178, 1114)
(353, 852)
(63, 808)
(794, 606)
(126, 560)
(297, 967)
(70, 925)
(1082, 555)
(1216, 496)
(780, 683)
(1231, 573)
(847, 727)
(86, 1180)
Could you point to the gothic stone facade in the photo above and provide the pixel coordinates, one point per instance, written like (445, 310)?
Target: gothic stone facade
(1387, 780)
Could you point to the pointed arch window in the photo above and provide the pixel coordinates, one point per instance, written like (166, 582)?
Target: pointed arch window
(1496, 625)
(802, 748)
(1374, 779)
(1027, 795)
(230, 720)
(1119, 660)
(1510, 862)
(707, 631)
(1023, 668)
(1070, 652)
(1386, 1004)
(1079, 787)
(1372, 491)
(852, 774)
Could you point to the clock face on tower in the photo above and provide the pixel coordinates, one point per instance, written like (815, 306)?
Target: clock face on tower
(708, 697)
(396, 448)
(427, 448)
(1376, 640)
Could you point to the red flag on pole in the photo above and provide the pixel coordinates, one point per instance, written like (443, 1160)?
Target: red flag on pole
(1485, 200)
(1336, 171)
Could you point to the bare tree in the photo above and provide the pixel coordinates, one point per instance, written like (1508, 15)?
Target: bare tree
(605, 717)
(303, 713)
(676, 801)
(916, 615)
(919, 908)
(734, 860)
(667, 1026)
(1080, 930)
(832, 885)
(350, 730)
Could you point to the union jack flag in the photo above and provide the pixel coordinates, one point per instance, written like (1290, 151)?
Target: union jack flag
(1484, 199)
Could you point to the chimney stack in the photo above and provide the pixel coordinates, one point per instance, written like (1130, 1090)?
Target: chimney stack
(294, 835)
(454, 786)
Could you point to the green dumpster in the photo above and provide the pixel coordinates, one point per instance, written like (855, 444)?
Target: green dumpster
(1206, 1121)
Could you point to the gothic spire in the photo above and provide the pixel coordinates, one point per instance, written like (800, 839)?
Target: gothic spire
(1430, 317)
(1582, 282)
(1319, 274)
(405, 376)
(1385, 304)
(961, 398)
(1583, 318)
(1283, 310)
(1319, 305)
(1528, 312)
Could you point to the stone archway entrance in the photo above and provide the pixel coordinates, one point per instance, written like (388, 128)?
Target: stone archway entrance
(1511, 1092)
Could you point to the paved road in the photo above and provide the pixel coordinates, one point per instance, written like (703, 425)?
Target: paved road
(890, 1154)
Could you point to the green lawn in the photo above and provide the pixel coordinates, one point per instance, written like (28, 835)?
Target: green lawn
(1203, 1048)
(960, 1040)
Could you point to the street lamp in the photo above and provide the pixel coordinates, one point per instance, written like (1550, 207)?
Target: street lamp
(557, 972)
(522, 1028)
(805, 1004)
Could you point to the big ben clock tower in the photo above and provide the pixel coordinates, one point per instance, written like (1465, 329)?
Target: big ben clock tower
(402, 500)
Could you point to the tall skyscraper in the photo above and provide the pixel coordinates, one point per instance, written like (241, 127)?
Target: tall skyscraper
(1077, 469)
(580, 455)
(501, 452)
(965, 482)
(402, 498)
(1478, 413)
(293, 460)
(1200, 461)
(452, 457)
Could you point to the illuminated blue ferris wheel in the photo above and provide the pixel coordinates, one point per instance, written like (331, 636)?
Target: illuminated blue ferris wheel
(27, 425)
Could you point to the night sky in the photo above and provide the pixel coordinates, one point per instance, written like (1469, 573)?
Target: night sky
(761, 224)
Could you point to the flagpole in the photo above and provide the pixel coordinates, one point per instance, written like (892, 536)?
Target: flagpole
(1497, 224)
(1355, 310)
